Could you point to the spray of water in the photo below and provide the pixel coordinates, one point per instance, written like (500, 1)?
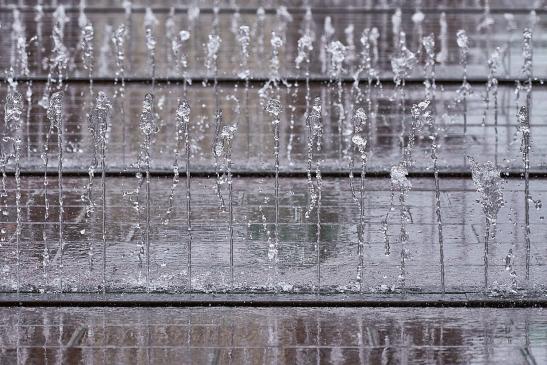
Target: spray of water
(523, 125)
(99, 121)
(350, 48)
(511, 27)
(118, 39)
(149, 127)
(10, 148)
(359, 121)
(396, 26)
(326, 38)
(182, 138)
(150, 22)
(366, 67)
(274, 108)
(488, 182)
(55, 116)
(58, 61)
(184, 109)
(418, 30)
(465, 89)
(21, 62)
(217, 154)
(422, 115)
(442, 56)
(87, 35)
(337, 52)
(272, 85)
(402, 64)
(258, 32)
(400, 183)
(244, 39)
(227, 137)
(494, 64)
(213, 47)
(314, 128)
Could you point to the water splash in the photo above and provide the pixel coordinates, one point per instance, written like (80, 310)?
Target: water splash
(396, 26)
(284, 17)
(227, 137)
(429, 66)
(274, 79)
(488, 182)
(20, 63)
(418, 29)
(211, 63)
(150, 22)
(356, 120)
(314, 128)
(118, 39)
(510, 267)
(304, 49)
(180, 53)
(366, 66)
(274, 108)
(305, 46)
(465, 89)
(184, 109)
(326, 38)
(400, 183)
(58, 61)
(236, 19)
(486, 22)
(258, 32)
(182, 136)
(337, 52)
(217, 154)
(359, 140)
(442, 56)
(350, 48)
(244, 40)
(511, 27)
(104, 61)
(527, 67)
(494, 64)
(39, 20)
(55, 116)
(100, 119)
(319, 185)
(13, 111)
(423, 116)
(87, 37)
(19, 56)
(170, 36)
(222, 151)
(307, 24)
(523, 127)
(149, 127)
(402, 64)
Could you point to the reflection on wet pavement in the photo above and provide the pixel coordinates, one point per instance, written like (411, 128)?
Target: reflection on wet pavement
(223, 335)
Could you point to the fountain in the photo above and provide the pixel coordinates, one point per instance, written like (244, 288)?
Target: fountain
(311, 146)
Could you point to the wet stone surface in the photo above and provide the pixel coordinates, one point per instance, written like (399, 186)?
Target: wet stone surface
(272, 335)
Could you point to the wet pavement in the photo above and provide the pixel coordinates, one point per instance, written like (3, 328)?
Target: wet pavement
(273, 335)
